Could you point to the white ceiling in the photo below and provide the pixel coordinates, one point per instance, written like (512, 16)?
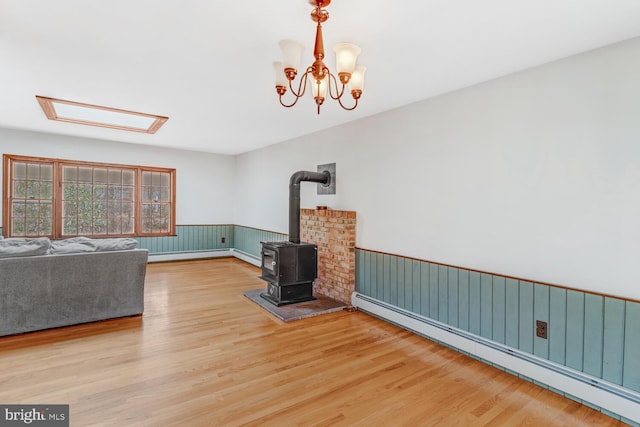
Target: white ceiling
(207, 64)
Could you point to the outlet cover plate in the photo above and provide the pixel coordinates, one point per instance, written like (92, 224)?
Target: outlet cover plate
(541, 329)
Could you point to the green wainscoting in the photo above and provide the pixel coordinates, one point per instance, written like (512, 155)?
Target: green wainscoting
(190, 238)
(193, 238)
(595, 334)
(248, 239)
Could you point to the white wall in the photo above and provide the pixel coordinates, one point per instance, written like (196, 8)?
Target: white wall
(204, 193)
(534, 175)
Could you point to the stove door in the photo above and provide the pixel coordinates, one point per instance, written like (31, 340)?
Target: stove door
(269, 263)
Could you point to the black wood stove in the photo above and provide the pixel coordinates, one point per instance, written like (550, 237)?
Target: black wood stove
(289, 268)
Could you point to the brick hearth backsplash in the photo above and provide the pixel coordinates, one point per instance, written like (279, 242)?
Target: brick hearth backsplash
(335, 234)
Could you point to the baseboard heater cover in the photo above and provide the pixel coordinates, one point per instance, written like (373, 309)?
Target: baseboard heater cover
(606, 395)
(246, 257)
(179, 256)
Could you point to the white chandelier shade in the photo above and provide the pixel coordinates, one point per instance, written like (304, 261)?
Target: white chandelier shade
(346, 56)
(319, 90)
(291, 53)
(281, 77)
(357, 78)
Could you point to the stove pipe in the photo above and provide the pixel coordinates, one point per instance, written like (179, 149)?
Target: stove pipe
(294, 198)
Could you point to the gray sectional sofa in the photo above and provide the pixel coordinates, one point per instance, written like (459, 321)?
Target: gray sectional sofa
(78, 282)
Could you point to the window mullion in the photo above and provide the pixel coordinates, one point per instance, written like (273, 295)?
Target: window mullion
(56, 215)
(137, 204)
(107, 201)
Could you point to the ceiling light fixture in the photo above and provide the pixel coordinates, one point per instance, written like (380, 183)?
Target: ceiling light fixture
(95, 115)
(321, 77)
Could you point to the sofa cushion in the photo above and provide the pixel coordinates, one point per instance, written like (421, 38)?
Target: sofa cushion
(86, 244)
(119, 244)
(72, 245)
(18, 247)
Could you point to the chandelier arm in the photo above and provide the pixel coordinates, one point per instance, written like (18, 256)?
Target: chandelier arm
(302, 86)
(348, 109)
(295, 101)
(335, 84)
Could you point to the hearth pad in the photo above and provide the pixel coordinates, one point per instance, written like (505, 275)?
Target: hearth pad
(290, 312)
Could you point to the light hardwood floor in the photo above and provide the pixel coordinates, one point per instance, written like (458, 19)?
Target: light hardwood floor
(203, 354)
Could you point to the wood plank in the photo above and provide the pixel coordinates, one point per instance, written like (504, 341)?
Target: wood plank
(512, 315)
(593, 334)
(373, 266)
(212, 233)
(557, 324)
(238, 237)
(434, 289)
(215, 233)
(463, 299)
(474, 302)
(499, 309)
(200, 241)
(417, 283)
(225, 231)
(179, 238)
(360, 271)
(574, 354)
(424, 289)
(400, 278)
(486, 305)
(613, 344)
(631, 374)
(185, 237)
(367, 273)
(527, 330)
(228, 232)
(203, 354)
(443, 294)
(231, 236)
(453, 298)
(408, 281)
(386, 278)
(392, 263)
(382, 292)
(541, 312)
(153, 245)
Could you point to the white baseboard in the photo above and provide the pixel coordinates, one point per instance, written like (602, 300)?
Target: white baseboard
(596, 391)
(182, 256)
(251, 259)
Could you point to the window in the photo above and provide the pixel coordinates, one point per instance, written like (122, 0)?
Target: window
(64, 198)
(97, 200)
(31, 204)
